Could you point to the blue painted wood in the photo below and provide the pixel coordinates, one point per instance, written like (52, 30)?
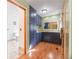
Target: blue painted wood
(51, 37)
(35, 21)
(46, 26)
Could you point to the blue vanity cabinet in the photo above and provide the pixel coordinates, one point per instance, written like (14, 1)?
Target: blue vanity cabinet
(52, 37)
(35, 21)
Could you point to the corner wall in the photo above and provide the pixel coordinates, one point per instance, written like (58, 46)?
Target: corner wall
(69, 28)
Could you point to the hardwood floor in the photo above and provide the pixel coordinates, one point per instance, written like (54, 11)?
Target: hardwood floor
(44, 51)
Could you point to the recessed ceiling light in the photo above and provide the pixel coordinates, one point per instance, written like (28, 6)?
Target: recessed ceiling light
(44, 11)
(33, 14)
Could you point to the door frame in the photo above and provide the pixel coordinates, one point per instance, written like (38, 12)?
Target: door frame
(23, 8)
(64, 20)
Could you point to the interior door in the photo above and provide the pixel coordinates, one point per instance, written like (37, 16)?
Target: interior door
(16, 27)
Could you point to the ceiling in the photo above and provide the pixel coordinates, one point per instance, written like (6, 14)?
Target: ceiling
(53, 6)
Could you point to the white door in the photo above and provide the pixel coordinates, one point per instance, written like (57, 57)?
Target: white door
(15, 24)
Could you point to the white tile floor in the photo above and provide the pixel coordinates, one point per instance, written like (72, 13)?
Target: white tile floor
(12, 49)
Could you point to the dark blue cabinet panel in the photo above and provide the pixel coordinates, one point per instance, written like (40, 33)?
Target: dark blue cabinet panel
(51, 37)
(35, 21)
